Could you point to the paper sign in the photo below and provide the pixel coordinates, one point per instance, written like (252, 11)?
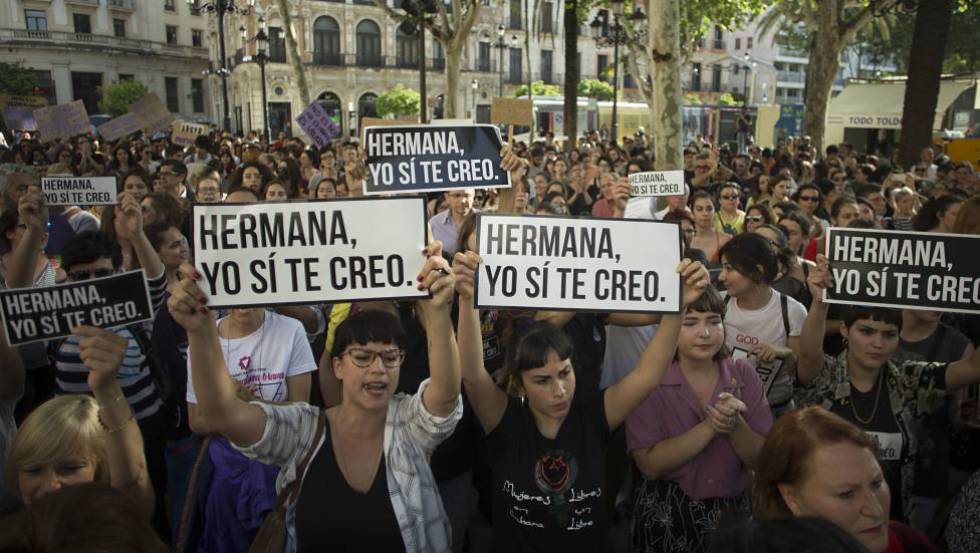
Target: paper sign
(919, 270)
(79, 190)
(418, 158)
(152, 114)
(63, 121)
(185, 133)
(35, 314)
(657, 183)
(375, 122)
(124, 125)
(562, 263)
(511, 111)
(19, 118)
(309, 252)
(22, 101)
(317, 124)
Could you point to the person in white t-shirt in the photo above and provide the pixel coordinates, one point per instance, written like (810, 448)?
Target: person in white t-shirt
(762, 325)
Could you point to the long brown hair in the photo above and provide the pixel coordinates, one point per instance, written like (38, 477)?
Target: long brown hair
(785, 456)
(968, 219)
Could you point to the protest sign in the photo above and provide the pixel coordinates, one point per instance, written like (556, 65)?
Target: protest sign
(918, 270)
(419, 158)
(657, 183)
(63, 121)
(119, 127)
(317, 124)
(511, 111)
(152, 114)
(376, 122)
(18, 111)
(70, 190)
(562, 263)
(185, 133)
(309, 252)
(35, 314)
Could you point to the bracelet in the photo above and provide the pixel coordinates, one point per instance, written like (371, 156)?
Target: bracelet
(118, 428)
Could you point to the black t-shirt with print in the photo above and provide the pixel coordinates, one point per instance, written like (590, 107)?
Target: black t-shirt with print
(884, 431)
(547, 494)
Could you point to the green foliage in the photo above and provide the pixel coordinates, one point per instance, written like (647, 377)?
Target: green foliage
(698, 17)
(16, 79)
(594, 88)
(692, 99)
(117, 97)
(538, 88)
(727, 99)
(962, 53)
(398, 101)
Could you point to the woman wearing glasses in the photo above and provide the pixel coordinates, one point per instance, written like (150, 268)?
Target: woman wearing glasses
(363, 475)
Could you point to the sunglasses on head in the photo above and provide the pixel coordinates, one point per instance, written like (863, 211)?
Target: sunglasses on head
(754, 218)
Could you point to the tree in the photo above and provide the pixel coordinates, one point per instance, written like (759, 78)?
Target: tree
(117, 97)
(16, 79)
(665, 70)
(832, 26)
(398, 101)
(292, 52)
(574, 16)
(594, 88)
(538, 88)
(932, 22)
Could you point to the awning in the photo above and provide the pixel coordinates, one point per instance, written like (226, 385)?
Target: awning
(879, 105)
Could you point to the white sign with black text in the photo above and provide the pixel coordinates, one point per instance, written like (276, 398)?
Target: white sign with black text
(657, 183)
(69, 190)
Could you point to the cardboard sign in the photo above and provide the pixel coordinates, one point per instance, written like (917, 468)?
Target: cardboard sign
(152, 114)
(309, 252)
(36, 314)
(62, 121)
(70, 190)
(185, 133)
(376, 122)
(919, 270)
(419, 158)
(562, 263)
(124, 125)
(19, 118)
(657, 183)
(317, 124)
(511, 111)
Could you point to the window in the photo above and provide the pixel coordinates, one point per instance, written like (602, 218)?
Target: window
(326, 41)
(368, 44)
(83, 23)
(719, 40)
(696, 77)
(546, 64)
(195, 8)
(197, 38)
(330, 103)
(170, 5)
(483, 57)
(547, 17)
(716, 78)
(515, 14)
(119, 27)
(407, 46)
(516, 57)
(125, 77)
(37, 20)
(628, 81)
(87, 87)
(197, 95)
(439, 57)
(748, 43)
(738, 44)
(735, 69)
(366, 106)
(44, 86)
(277, 45)
(173, 97)
(171, 33)
(602, 63)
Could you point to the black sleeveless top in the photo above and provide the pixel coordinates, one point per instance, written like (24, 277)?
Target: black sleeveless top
(333, 517)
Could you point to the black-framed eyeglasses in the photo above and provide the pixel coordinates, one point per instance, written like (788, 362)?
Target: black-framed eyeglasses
(77, 276)
(364, 357)
(809, 198)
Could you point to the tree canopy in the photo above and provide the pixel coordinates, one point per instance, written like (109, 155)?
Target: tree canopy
(398, 101)
(117, 97)
(16, 79)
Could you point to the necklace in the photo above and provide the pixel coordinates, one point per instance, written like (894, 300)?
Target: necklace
(874, 410)
(253, 360)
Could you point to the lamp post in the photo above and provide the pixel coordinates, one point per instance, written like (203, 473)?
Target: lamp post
(502, 45)
(221, 7)
(605, 33)
(749, 67)
(261, 57)
(475, 85)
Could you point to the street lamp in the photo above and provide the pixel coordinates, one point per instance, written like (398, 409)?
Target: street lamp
(475, 85)
(502, 45)
(615, 34)
(221, 7)
(750, 65)
(261, 57)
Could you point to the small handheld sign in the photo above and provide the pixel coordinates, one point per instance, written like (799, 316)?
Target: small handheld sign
(561, 263)
(657, 183)
(185, 133)
(917, 270)
(409, 159)
(79, 190)
(119, 127)
(309, 252)
(36, 314)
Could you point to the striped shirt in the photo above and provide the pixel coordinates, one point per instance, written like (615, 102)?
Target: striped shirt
(134, 374)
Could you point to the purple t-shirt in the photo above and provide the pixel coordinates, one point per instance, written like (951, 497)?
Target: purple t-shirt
(673, 409)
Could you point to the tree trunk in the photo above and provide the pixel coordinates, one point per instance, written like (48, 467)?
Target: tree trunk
(454, 55)
(528, 25)
(292, 53)
(572, 74)
(932, 22)
(820, 74)
(665, 70)
(643, 81)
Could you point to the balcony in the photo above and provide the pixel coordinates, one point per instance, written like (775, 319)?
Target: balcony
(90, 3)
(121, 5)
(62, 38)
(791, 77)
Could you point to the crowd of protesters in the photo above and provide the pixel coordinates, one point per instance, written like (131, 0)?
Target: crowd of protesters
(758, 419)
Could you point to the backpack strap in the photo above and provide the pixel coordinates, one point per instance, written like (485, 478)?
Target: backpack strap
(784, 308)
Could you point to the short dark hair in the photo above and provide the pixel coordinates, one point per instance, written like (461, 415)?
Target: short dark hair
(154, 233)
(370, 325)
(853, 313)
(135, 171)
(178, 166)
(90, 246)
(203, 142)
(741, 534)
(799, 219)
(168, 207)
(747, 252)
(536, 345)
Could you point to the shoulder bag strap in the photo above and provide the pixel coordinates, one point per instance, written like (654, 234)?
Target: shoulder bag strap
(288, 495)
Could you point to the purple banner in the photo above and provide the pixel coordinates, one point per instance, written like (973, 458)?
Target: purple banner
(317, 124)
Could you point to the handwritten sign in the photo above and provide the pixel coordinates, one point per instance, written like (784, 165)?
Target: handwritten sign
(317, 124)
(121, 126)
(185, 133)
(657, 183)
(152, 114)
(79, 190)
(511, 111)
(18, 111)
(62, 121)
